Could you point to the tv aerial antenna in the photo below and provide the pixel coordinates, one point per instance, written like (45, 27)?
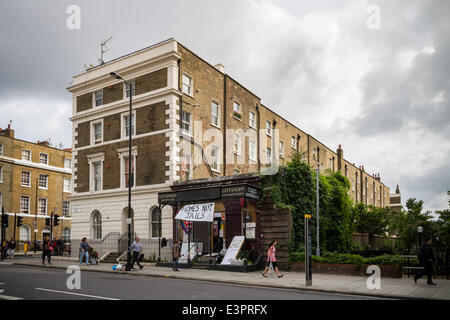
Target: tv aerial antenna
(103, 49)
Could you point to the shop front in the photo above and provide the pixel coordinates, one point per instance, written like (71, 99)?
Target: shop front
(235, 202)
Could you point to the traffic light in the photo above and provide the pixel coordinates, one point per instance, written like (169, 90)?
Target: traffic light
(55, 220)
(19, 221)
(47, 222)
(4, 221)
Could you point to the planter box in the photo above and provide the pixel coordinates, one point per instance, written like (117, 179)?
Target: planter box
(347, 269)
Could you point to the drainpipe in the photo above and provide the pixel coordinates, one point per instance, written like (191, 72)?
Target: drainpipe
(298, 142)
(257, 137)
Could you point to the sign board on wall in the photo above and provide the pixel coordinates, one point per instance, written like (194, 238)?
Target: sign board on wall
(233, 250)
(197, 212)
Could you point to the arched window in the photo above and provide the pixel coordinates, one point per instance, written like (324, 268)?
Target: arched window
(155, 221)
(96, 225)
(25, 233)
(66, 235)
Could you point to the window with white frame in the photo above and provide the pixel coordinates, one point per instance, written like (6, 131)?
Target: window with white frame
(293, 144)
(237, 144)
(186, 167)
(252, 150)
(26, 154)
(96, 176)
(215, 158)
(268, 155)
(1, 149)
(304, 157)
(353, 185)
(133, 88)
(43, 181)
(155, 222)
(67, 163)
(268, 128)
(1, 201)
(1, 175)
(281, 149)
(98, 97)
(187, 84)
(237, 114)
(126, 125)
(25, 179)
(129, 179)
(252, 120)
(66, 185)
(66, 235)
(25, 234)
(186, 122)
(214, 113)
(42, 206)
(96, 225)
(66, 208)
(24, 204)
(331, 163)
(43, 158)
(97, 132)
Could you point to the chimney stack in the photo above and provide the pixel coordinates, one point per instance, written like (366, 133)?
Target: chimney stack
(220, 67)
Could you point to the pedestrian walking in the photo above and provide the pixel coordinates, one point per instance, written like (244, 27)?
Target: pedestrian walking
(136, 248)
(271, 259)
(426, 258)
(176, 255)
(46, 252)
(25, 248)
(60, 246)
(12, 248)
(6, 248)
(84, 251)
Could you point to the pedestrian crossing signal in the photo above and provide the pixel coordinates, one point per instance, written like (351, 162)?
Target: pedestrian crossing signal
(4, 221)
(19, 221)
(55, 220)
(47, 222)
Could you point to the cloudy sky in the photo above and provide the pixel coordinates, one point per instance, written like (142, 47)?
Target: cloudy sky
(370, 75)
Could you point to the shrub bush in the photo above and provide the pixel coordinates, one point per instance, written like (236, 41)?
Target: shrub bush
(357, 260)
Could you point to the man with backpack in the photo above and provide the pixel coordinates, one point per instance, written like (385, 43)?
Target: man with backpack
(426, 259)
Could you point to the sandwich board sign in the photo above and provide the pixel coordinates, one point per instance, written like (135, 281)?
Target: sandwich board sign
(233, 250)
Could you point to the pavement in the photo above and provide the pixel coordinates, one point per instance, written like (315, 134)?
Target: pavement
(396, 288)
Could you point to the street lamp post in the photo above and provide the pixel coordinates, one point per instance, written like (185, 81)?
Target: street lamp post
(317, 208)
(419, 231)
(129, 84)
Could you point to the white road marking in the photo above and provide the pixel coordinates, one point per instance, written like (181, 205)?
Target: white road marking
(8, 297)
(76, 294)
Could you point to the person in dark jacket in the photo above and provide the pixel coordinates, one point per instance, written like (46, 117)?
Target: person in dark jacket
(426, 259)
(84, 251)
(46, 250)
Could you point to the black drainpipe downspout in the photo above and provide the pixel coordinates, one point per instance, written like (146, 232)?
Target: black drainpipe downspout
(275, 147)
(298, 142)
(257, 138)
(224, 132)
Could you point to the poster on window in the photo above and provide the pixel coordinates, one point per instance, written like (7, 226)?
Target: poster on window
(197, 212)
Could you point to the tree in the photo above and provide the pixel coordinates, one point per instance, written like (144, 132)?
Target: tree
(292, 188)
(371, 220)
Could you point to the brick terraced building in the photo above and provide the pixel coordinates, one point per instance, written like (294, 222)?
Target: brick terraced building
(35, 180)
(190, 121)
